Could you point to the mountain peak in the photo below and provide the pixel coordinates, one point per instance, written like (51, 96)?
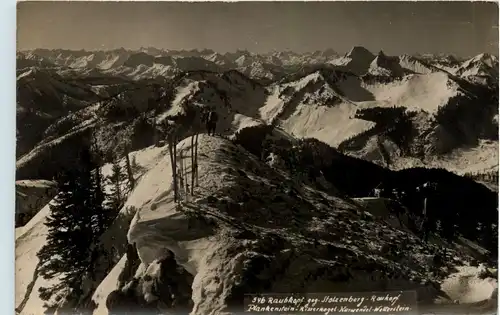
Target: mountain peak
(329, 53)
(359, 52)
(486, 58)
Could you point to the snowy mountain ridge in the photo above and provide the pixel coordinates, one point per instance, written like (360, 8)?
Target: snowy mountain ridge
(283, 199)
(221, 238)
(330, 103)
(151, 62)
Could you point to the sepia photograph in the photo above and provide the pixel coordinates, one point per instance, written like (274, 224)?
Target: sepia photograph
(217, 158)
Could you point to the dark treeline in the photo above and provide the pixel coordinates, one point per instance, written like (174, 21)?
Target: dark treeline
(459, 206)
(490, 177)
(394, 123)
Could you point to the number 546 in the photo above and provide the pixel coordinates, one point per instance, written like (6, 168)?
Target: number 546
(258, 299)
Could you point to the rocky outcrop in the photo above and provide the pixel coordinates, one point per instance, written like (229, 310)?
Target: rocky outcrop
(213, 248)
(31, 196)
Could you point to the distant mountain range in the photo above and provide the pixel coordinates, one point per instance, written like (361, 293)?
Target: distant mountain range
(349, 101)
(152, 62)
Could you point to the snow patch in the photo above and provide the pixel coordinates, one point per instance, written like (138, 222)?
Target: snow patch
(466, 285)
(108, 285)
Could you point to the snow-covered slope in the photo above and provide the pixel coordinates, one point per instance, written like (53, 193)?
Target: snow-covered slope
(426, 92)
(384, 65)
(315, 107)
(323, 104)
(480, 65)
(480, 159)
(339, 107)
(220, 235)
(31, 238)
(244, 213)
(416, 65)
(230, 93)
(42, 97)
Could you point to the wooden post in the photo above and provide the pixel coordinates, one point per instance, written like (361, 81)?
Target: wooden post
(170, 138)
(176, 187)
(196, 158)
(192, 164)
(129, 169)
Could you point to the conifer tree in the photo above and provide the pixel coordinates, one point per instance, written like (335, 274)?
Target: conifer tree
(77, 220)
(71, 227)
(116, 194)
(102, 215)
(130, 173)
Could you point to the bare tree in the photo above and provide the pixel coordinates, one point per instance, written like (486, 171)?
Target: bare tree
(195, 166)
(177, 127)
(196, 124)
(172, 148)
(155, 131)
(193, 161)
(176, 186)
(129, 167)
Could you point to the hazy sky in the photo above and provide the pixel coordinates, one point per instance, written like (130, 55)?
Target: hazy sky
(462, 28)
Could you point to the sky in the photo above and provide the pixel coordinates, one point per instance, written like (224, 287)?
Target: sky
(460, 28)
